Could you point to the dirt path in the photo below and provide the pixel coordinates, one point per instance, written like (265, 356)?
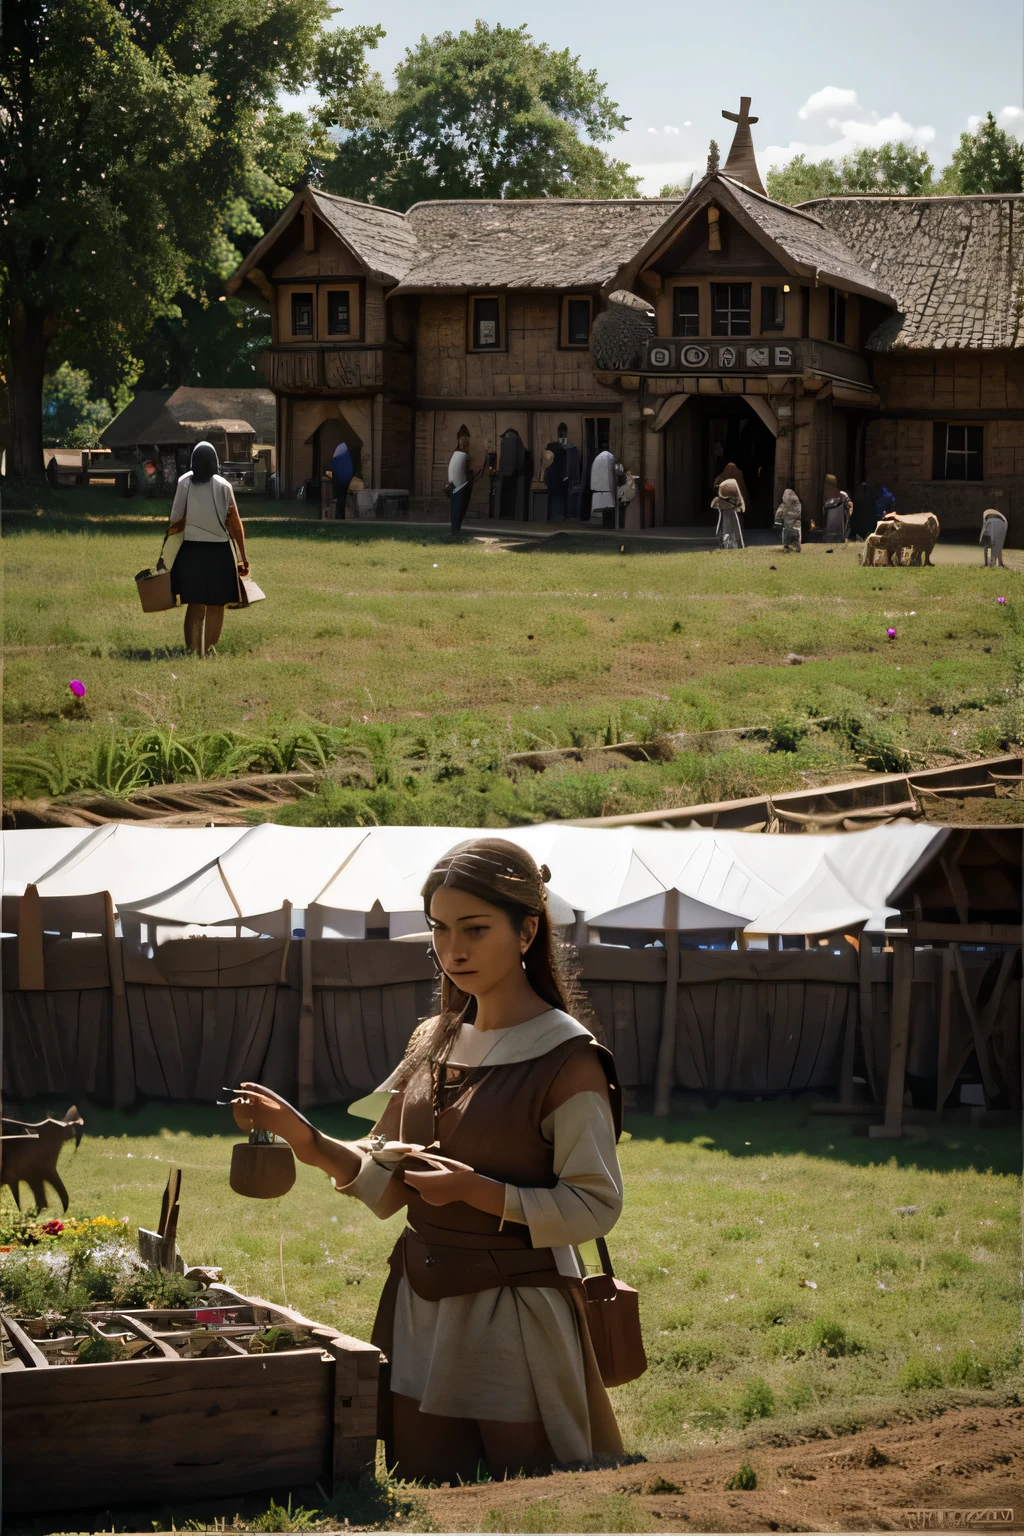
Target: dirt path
(963, 1458)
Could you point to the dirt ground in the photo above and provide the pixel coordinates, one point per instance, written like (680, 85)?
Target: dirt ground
(962, 1458)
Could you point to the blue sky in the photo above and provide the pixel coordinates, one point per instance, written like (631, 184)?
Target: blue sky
(823, 76)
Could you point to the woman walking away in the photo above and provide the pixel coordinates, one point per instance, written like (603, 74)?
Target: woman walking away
(733, 472)
(482, 1317)
(994, 527)
(205, 574)
(835, 511)
(460, 482)
(730, 506)
(787, 517)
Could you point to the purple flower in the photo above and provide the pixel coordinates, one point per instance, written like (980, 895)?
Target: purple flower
(77, 688)
(891, 633)
(1000, 599)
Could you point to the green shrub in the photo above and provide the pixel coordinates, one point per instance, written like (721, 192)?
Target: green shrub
(758, 1400)
(691, 1356)
(920, 1375)
(966, 1370)
(830, 1338)
(743, 1481)
(786, 735)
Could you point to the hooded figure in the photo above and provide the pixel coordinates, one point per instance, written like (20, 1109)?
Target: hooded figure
(864, 515)
(733, 472)
(787, 517)
(556, 475)
(835, 510)
(994, 527)
(730, 506)
(204, 575)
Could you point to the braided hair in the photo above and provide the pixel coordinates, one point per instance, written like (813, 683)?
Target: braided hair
(505, 876)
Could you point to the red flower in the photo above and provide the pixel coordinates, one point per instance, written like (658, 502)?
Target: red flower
(52, 1228)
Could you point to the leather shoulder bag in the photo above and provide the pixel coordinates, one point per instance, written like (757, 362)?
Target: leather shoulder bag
(613, 1320)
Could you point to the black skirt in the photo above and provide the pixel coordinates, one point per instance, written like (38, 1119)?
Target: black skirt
(205, 573)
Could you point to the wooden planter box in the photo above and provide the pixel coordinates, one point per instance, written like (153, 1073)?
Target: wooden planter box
(166, 1427)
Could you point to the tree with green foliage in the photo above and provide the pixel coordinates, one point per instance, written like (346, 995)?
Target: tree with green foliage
(483, 114)
(987, 160)
(895, 168)
(72, 416)
(131, 139)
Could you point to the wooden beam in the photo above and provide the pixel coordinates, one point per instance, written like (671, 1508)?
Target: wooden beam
(865, 978)
(143, 1331)
(849, 1044)
(899, 1039)
(356, 1386)
(964, 933)
(304, 1056)
(27, 1351)
(122, 1052)
(664, 1075)
(978, 1033)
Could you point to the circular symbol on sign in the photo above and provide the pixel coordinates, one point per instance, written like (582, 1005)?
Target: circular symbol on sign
(695, 357)
(660, 357)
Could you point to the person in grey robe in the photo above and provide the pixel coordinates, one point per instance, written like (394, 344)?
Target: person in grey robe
(994, 528)
(730, 507)
(604, 487)
(787, 517)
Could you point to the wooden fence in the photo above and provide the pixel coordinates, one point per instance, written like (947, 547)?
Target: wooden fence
(325, 1021)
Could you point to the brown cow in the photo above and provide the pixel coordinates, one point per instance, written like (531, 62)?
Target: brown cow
(901, 533)
(29, 1153)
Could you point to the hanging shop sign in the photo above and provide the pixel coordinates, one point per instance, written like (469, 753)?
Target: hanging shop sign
(671, 355)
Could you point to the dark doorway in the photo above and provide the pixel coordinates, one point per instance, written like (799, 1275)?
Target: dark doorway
(704, 435)
(332, 431)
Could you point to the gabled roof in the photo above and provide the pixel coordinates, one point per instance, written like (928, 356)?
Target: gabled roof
(379, 238)
(800, 241)
(165, 416)
(952, 264)
(551, 242)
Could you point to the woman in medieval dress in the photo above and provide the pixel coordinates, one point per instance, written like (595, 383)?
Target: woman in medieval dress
(482, 1316)
(730, 506)
(206, 567)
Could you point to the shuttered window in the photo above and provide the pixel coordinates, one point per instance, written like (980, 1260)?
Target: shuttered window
(486, 325)
(302, 314)
(958, 451)
(730, 309)
(686, 311)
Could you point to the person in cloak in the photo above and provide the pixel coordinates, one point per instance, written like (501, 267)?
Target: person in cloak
(604, 487)
(342, 471)
(460, 482)
(864, 515)
(730, 506)
(835, 511)
(787, 517)
(206, 568)
(482, 1317)
(994, 528)
(556, 475)
(733, 472)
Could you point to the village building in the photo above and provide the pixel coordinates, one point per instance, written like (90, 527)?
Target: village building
(162, 426)
(873, 337)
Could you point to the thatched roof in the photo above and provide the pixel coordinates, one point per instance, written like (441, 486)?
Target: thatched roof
(800, 242)
(382, 239)
(163, 417)
(950, 263)
(530, 243)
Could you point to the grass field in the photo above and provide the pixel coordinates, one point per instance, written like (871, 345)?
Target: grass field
(728, 1213)
(427, 663)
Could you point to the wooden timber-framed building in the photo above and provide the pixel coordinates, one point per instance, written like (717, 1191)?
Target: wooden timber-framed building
(878, 338)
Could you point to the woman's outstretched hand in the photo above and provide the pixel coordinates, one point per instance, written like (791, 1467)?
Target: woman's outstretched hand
(261, 1109)
(456, 1181)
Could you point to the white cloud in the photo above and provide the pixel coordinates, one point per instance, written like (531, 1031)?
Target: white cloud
(670, 129)
(652, 130)
(829, 98)
(687, 124)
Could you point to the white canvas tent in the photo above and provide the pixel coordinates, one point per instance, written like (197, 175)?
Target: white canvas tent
(255, 879)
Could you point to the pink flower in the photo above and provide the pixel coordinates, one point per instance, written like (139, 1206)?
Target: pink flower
(1000, 599)
(77, 688)
(891, 633)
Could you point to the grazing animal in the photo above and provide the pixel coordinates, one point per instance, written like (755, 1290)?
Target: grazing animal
(899, 534)
(29, 1153)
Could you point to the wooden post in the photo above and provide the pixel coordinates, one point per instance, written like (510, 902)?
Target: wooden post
(899, 1039)
(304, 1064)
(849, 1043)
(942, 1083)
(31, 971)
(356, 1375)
(866, 971)
(664, 1075)
(120, 1024)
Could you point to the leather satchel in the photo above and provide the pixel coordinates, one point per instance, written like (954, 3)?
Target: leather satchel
(154, 588)
(613, 1318)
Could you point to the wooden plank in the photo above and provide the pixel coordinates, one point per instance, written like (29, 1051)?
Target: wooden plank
(231, 1425)
(149, 1073)
(304, 1037)
(604, 962)
(849, 1046)
(143, 1331)
(624, 1041)
(943, 1081)
(691, 1057)
(665, 1069)
(964, 933)
(370, 1003)
(356, 1377)
(787, 1022)
(866, 1011)
(162, 1008)
(647, 1001)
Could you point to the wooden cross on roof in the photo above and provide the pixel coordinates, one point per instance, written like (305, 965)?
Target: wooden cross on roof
(741, 164)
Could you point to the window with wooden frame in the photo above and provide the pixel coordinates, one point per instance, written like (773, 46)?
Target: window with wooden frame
(486, 324)
(576, 319)
(730, 309)
(301, 312)
(958, 451)
(685, 311)
(836, 315)
(773, 308)
(339, 305)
